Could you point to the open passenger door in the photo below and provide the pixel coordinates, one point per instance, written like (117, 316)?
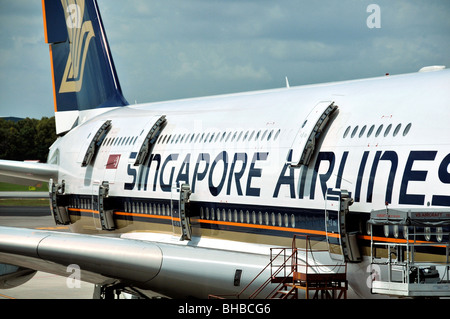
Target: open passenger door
(310, 131)
(342, 244)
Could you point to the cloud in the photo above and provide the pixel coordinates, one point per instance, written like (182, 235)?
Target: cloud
(176, 49)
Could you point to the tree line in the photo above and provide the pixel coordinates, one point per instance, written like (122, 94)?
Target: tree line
(26, 139)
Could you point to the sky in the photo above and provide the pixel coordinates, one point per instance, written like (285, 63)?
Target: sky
(174, 49)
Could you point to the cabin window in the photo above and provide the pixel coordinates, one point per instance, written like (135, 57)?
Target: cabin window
(276, 135)
(346, 132)
(354, 131)
(206, 138)
(370, 130)
(388, 129)
(386, 230)
(239, 137)
(396, 231)
(427, 233)
(439, 234)
(257, 135)
(407, 128)
(405, 232)
(363, 129)
(264, 134)
(234, 136)
(380, 128)
(397, 129)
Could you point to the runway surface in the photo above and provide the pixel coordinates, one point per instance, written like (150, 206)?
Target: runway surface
(42, 285)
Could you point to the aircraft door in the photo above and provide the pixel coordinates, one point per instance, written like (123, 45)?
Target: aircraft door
(342, 244)
(310, 131)
(332, 225)
(101, 213)
(179, 204)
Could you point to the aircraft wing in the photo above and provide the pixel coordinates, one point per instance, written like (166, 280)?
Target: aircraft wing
(100, 259)
(20, 172)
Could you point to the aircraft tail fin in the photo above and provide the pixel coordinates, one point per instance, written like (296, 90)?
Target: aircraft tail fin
(85, 82)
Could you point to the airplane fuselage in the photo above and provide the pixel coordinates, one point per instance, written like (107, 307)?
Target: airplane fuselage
(386, 144)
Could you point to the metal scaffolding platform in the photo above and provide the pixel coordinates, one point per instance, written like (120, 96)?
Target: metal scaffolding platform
(403, 266)
(289, 274)
(324, 281)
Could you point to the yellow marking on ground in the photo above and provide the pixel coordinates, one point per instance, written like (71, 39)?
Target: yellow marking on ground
(53, 228)
(7, 297)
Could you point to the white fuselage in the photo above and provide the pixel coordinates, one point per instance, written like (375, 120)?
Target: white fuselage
(387, 143)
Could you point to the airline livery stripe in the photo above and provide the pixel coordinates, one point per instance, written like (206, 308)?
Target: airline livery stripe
(53, 78)
(212, 222)
(146, 216)
(44, 15)
(287, 230)
(284, 229)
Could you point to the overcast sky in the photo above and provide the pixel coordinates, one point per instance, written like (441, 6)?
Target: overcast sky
(185, 48)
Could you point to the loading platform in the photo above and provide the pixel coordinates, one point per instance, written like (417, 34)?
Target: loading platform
(403, 268)
(319, 280)
(290, 274)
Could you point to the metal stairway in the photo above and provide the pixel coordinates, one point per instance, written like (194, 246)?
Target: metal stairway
(325, 281)
(290, 274)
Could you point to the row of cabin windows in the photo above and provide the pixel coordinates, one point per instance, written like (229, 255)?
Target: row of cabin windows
(199, 137)
(272, 219)
(247, 217)
(378, 131)
(116, 141)
(217, 214)
(236, 136)
(247, 136)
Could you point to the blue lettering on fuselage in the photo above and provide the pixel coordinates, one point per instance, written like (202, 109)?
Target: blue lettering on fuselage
(206, 169)
(359, 179)
(240, 173)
